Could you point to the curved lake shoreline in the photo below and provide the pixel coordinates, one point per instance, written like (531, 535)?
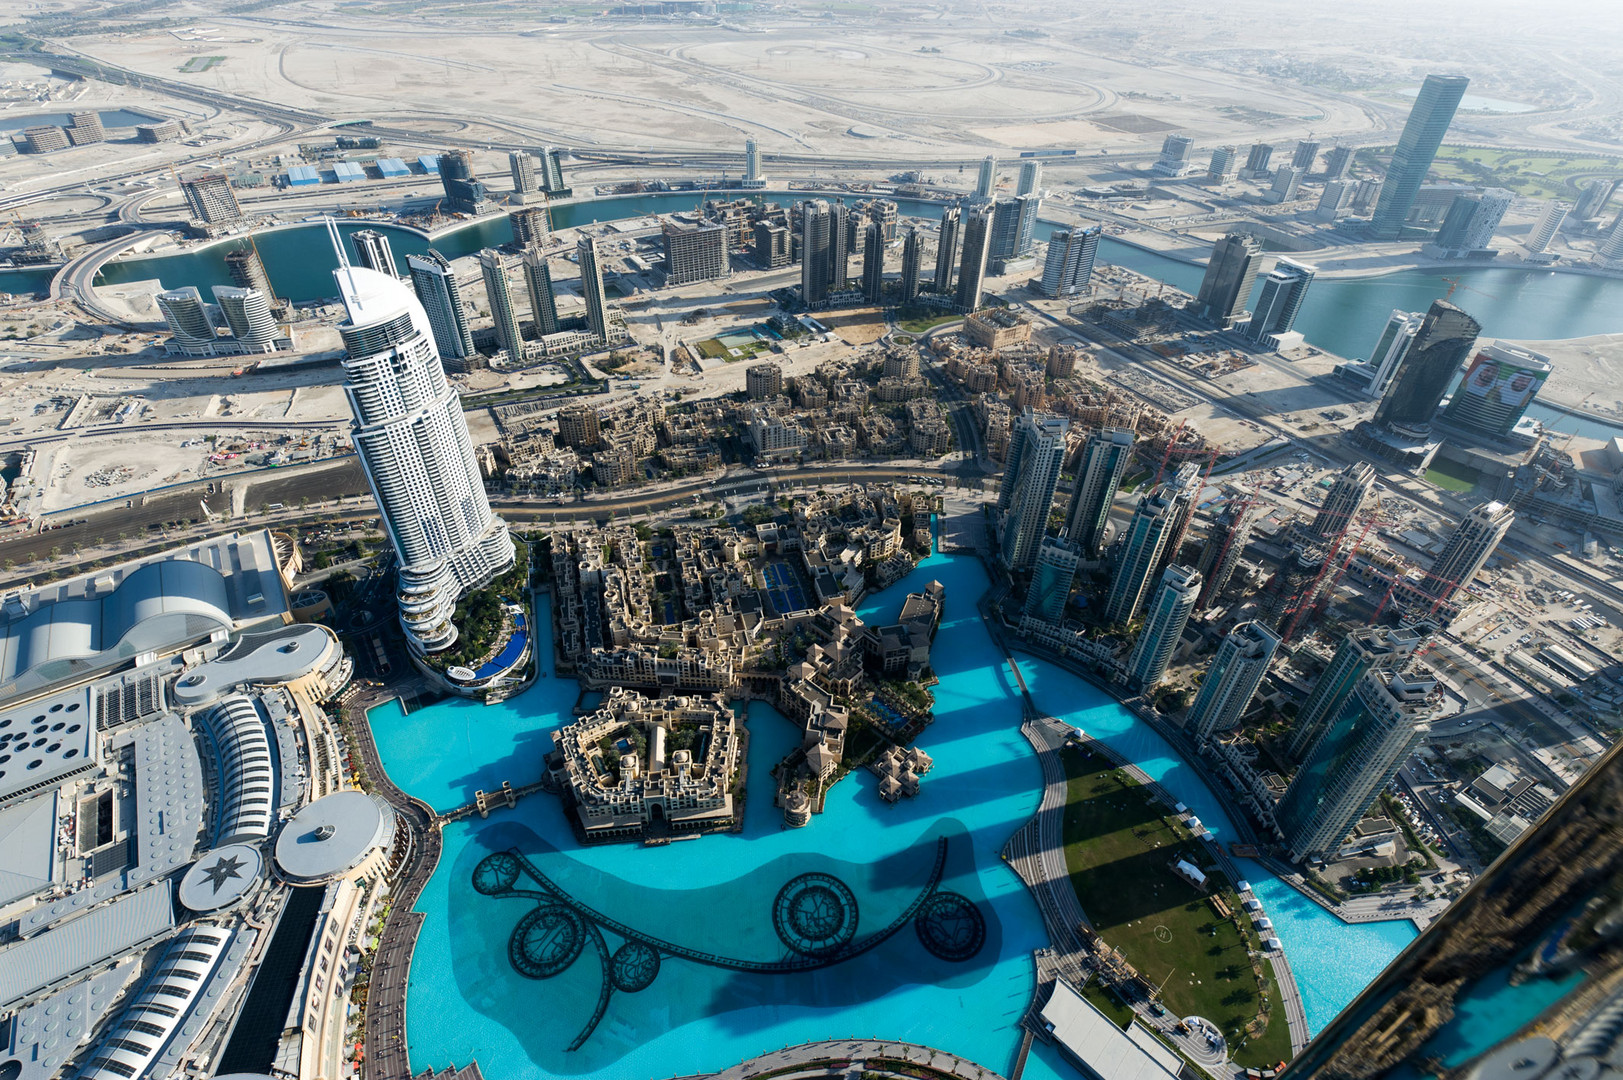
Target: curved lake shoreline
(465, 1001)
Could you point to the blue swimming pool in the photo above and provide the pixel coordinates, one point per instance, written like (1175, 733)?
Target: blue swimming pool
(940, 974)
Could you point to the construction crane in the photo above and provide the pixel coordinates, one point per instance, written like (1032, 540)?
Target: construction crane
(1239, 510)
(1311, 594)
(1166, 456)
(1456, 283)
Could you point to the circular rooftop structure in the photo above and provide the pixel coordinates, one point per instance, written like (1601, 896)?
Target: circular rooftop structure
(333, 835)
(281, 656)
(1525, 1059)
(221, 877)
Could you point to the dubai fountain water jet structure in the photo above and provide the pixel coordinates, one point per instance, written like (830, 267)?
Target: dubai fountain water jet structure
(815, 916)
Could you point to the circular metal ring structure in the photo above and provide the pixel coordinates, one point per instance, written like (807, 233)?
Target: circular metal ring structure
(815, 914)
(634, 967)
(546, 941)
(495, 873)
(951, 927)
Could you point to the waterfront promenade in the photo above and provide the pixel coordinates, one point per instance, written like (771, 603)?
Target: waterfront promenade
(846, 1057)
(385, 1020)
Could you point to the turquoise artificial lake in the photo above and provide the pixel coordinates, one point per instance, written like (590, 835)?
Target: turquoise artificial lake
(467, 1002)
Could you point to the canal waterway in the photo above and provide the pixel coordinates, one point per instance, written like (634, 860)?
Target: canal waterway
(1341, 315)
(954, 980)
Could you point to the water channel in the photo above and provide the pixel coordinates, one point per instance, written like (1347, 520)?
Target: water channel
(1342, 316)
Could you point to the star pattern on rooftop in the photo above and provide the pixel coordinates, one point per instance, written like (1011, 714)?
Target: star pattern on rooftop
(224, 869)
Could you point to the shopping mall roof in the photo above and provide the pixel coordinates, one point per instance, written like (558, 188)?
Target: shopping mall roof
(280, 656)
(221, 877)
(28, 847)
(52, 958)
(333, 835)
(72, 629)
(45, 741)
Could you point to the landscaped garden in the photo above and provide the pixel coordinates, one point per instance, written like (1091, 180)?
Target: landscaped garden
(1120, 846)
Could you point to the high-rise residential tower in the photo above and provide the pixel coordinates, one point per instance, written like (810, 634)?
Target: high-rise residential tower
(1036, 453)
(912, 262)
(373, 251)
(1417, 147)
(1068, 267)
(1175, 153)
(1307, 154)
(552, 172)
(210, 199)
(839, 245)
(1279, 302)
(1498, 387)
(1538, 926)
(1221, 555)
(1471, 221)
(972, 266)
(413, 444)
(1031, 177)
(1225, 161)
(1027, 207)
(815, 225)
(1343, 502)
(752, 160)
(248, 313)
(1468, 548)
(191, 327)
(543, 301)
(1376, 729)
(1241, 662)
(1005, 230)
(1429, 365)
(463, 193)
(1286, 183)
(1390, 349)
(694, 251)
(435, 284)
(946, 251)
(1051, 580)
(1230, 275)
(522, 165)
(1137, 554)
(1544, 229)
(1338, 163)
(1104, 460)
(591, 287)
(1164, 624)
(532, 225)
(1593, 200)
(247, 271)
(1257, 161)
(1610, 253)
(502, 309)
(873, 263)
(986, 181)
(1182, 490)
(1366, 649)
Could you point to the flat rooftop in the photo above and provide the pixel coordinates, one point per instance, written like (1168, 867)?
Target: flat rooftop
(45, 741)
(1104, 1050)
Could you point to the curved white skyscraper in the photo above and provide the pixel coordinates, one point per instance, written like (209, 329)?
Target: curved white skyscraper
(414, 446)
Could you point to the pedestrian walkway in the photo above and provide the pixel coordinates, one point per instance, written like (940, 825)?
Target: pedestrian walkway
(837, 1056)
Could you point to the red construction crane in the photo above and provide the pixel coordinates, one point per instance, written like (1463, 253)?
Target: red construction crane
(1239, 510)
(1172, 441)
(1305, 601)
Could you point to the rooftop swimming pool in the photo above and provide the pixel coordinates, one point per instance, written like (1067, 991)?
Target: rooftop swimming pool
(878, 920)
